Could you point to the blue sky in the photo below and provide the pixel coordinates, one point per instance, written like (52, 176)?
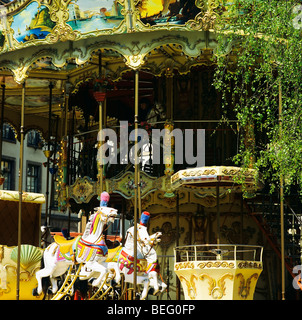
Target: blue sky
(23, 19)
(93, 5)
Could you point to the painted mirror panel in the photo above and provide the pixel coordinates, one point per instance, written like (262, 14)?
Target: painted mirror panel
(94, 15)
(32, 23)
(167, 12)
(3, 23)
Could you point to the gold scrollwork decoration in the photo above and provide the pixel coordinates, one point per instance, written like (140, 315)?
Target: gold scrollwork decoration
(25, 275)
(5, 291)
(194, 173)
(216, 288)
(59, 14)
(184, 265)
(135, 61)
(245, 285)
(205, 20)
(216, 264)
(249, 265)
(191, 286)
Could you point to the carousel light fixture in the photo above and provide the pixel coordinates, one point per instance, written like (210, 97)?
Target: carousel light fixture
(48, 149)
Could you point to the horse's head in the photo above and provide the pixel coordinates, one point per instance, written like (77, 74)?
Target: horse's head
(104, 215)
(145, 239)
(155, 238)
(143, 235)
(108, 214)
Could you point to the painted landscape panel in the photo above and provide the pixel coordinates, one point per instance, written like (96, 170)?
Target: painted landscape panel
(33, 22)
(162, 12)
(92, 15)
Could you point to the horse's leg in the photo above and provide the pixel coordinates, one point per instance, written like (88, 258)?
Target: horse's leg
(85, 274)
(97, 267)
(153, 276)
(52, 268)
(163, 286)
(145, 281)
(54, 285)
(43, 273)
(140, 280)
(114, 266)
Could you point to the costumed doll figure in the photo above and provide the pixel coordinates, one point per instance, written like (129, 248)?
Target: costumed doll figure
(88, 234)
(148, 249)
(105, 197)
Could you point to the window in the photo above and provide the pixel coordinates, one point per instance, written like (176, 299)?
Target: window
(33, 178)
(8, 133)
(8, 168)
(34, 139)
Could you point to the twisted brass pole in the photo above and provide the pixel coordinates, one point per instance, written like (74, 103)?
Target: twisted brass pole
(20, 191)
(136, 178)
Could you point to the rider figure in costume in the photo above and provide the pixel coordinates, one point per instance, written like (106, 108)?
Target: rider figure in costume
(149, 250)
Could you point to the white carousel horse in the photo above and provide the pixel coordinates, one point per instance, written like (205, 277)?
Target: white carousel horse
(89, 249)
(147, 264)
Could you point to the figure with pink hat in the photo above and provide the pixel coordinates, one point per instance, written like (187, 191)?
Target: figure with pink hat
(105, 197)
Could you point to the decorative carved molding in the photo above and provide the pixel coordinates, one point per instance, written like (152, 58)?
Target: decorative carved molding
(125, 185)
(82, 190)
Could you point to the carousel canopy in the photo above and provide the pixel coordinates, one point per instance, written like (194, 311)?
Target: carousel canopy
(229, 179)
(64, 43)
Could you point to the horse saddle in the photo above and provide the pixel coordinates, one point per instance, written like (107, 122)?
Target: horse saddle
(65, 245)
(127, 260)
(113, 254)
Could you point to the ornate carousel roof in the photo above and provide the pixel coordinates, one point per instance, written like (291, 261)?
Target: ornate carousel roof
(53, 53)
(69, 42)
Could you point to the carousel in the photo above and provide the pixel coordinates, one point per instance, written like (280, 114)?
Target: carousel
(85, 75)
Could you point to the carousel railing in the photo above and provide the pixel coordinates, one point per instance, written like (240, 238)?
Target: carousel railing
(206, 252)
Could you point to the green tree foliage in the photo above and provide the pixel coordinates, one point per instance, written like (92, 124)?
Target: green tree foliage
(259, 56)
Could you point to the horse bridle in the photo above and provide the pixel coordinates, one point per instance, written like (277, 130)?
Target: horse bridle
(139, 240)
(106, 220)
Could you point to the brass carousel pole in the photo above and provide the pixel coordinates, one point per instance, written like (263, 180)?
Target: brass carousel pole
(178, 291)
(101, 142)
(48, 153)
(218, 212)
(137, 201)
(20, 190)
(101, 130)
(53, 170)
(1, 123)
